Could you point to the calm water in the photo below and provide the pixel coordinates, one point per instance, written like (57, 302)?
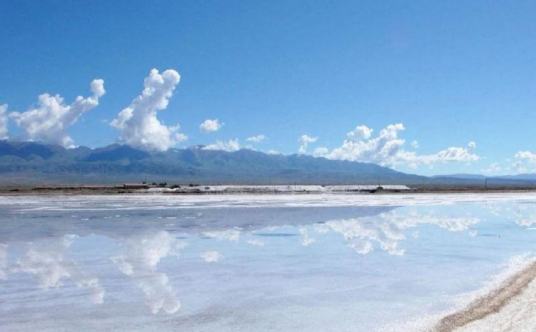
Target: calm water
(253, 263)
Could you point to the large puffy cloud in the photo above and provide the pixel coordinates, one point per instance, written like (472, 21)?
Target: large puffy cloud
(229, 146)
(388, 149)
(3, 121)
(48, 121)
(305, 140)
(138, 123)
(360, 133)
(210, 126)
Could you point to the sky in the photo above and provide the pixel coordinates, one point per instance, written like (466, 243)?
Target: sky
(425, 87)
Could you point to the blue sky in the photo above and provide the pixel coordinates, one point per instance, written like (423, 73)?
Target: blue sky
(451, 72)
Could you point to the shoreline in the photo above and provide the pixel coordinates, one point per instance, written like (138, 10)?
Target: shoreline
(512, 297)
(26, 192)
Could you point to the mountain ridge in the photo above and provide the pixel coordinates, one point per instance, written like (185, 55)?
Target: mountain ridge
(31, 163)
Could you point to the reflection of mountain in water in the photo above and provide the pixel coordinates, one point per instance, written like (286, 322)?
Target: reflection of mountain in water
(31, 225)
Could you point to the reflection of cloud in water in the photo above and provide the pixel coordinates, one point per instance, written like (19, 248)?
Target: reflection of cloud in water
(306, 239)
(48, 261)
(3, 261)
(525, 216)
(139, 258)
(256, 242)
(211, 256)
(229, 235)
(388, 229)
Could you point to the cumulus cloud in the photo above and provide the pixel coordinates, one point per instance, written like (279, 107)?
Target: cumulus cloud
(305, 140)
(388, 149)
(139, 259)
(3, 121)
(471, 145)
(139, 126)
(256, 139)
(415, 144)
(320, 152)
(360, 133)
(229, 146)
(51, 117)
(210, 126)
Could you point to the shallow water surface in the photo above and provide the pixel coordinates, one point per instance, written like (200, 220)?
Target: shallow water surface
(254, 263)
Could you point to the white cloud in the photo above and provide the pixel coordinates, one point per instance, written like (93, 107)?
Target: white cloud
(211, 256)
(139, 259)
(229, 146)
(388, 149)
(3, 121)
(524, 157)
(49, 120)
(415, 144)
(360, 133)
(138, 123)
(452, 154)
(519, 167)
(320, 152)
(210, 126)
(494, 168)
(471, 145)
(305, 140)
(256, 139)
(273, 152)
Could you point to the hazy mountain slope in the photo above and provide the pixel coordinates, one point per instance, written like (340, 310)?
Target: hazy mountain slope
(37, 162)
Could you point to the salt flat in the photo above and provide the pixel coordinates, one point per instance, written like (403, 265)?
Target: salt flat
(261, 262)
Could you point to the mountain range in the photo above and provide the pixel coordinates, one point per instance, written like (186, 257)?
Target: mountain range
(32, 163)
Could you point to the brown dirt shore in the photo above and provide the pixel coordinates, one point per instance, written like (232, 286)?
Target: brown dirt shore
(115, 191)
